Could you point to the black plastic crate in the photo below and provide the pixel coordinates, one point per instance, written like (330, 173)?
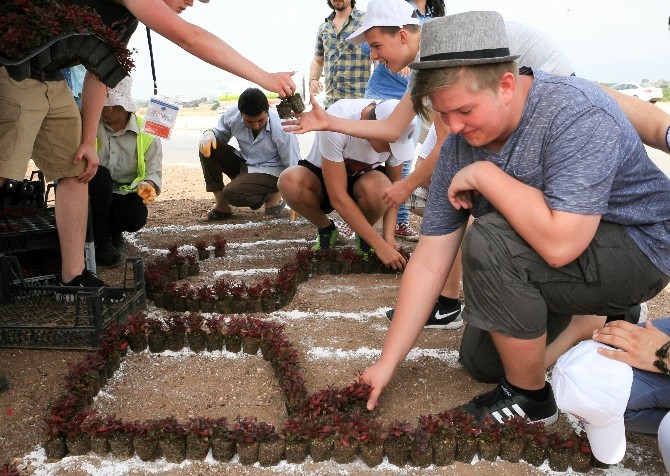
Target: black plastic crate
(24, 228)
(34, 312)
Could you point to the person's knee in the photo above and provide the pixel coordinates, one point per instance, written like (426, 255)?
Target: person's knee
(287, 180)
(479, 357)
(137, 220)
(369, 190)
(235, 197)
(294, 181)
(101, 182)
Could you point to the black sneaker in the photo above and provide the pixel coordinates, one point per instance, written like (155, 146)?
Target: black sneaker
(89, 280)
(108, 256)
(440, 317)
(502, 403)
(363, 248)
(4, 383)
(326, 237)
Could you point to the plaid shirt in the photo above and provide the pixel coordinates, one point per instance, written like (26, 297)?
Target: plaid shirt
(345, 66)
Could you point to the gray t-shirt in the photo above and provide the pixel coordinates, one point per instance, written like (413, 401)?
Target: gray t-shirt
(576, 145)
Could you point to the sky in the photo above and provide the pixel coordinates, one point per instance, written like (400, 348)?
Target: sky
(606, 40)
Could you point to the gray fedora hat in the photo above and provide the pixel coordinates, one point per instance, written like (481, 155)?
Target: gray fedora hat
(463, 39)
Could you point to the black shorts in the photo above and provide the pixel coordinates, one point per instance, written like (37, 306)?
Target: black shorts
(326, 207)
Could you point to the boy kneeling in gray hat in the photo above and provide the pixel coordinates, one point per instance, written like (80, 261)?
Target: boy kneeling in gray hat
(572, 217)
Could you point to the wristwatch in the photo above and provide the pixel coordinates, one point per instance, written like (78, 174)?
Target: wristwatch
(662, 354)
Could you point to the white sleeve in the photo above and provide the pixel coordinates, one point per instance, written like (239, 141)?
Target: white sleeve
(429, 142)
(332, 145)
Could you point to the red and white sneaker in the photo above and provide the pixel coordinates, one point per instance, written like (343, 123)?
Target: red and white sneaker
(346, 233)
(405, 230)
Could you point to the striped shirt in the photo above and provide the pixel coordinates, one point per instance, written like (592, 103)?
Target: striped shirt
(345, 67)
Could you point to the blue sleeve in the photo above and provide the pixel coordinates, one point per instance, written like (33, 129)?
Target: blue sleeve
(440, 217)
(581, 162)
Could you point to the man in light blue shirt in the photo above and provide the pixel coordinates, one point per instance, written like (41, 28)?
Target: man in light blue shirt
(265, 150)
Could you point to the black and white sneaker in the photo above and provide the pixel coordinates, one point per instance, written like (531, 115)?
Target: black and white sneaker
(503, 403)
(88, 280)
(441, 317)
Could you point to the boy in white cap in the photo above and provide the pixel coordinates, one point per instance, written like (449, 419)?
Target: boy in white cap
(348, 174)
(393, 31)
(128, 178)
(572, 217)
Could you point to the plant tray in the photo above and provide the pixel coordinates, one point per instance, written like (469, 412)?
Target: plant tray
(34, 312)
(27, 229)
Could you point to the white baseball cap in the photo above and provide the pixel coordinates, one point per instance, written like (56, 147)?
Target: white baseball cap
(121, 95)
(595, 389)
(384, 13)
(404, 148)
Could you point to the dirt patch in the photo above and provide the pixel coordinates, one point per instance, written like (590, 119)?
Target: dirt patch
(337, 323)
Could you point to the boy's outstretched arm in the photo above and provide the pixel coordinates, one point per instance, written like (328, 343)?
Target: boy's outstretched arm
(650, 121)
(421, 284)
(388, 129)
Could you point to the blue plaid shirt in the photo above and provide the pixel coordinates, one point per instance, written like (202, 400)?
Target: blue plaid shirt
(345, 66)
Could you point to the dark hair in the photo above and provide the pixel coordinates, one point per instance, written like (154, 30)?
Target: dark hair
(353, 4)
(253, 102)
(437, 6)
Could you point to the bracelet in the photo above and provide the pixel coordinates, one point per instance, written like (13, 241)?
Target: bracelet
(667, 137)
(313, 79)
(662, 353)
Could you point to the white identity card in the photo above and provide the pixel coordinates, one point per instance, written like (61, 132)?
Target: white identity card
(161, 116)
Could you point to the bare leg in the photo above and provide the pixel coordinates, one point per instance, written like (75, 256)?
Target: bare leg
(221, 204)
(579, 329)
(368, 196)
(302, 191)
(71, 221)
(272, 200)
(452, 285)
(523, 360)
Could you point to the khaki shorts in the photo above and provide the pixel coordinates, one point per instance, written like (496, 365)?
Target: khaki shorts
(38, 120)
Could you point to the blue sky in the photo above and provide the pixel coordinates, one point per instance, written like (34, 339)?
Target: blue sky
(607, 40)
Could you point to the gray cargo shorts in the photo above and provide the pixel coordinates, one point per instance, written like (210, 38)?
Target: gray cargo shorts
(511, 290)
